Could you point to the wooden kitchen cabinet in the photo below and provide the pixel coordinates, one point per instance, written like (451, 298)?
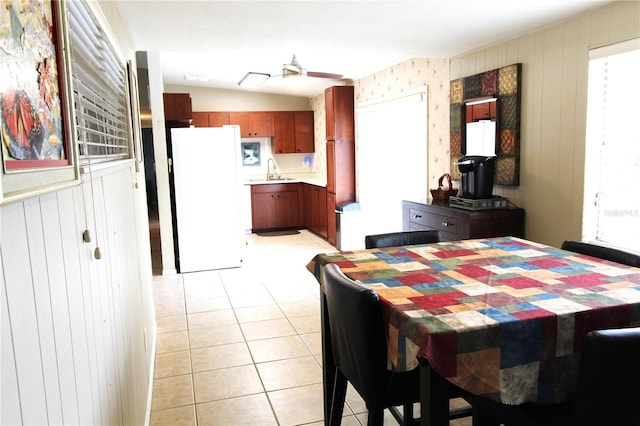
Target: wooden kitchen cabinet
(209, 119)
(329, 112)
(177, 107)
(200, 119)
(331, 166)
(481, 111)
(315, 202)
(218, 119)
(303, 129)
(331, 218)
(275, 206)
(253, 124)
(284, 137)
(340, 148)
(339, 107)
(458, 224)
(293, 132)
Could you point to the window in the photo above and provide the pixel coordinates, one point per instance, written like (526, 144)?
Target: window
(100, 89)
(611, 212)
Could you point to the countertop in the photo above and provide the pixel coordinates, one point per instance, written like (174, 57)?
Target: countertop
(262, 180)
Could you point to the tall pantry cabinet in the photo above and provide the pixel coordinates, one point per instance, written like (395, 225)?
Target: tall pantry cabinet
(340, 135)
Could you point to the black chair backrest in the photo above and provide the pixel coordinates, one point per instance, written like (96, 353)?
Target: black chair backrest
(357, 334)
(405, 238)
(602, 252)
(608, 383)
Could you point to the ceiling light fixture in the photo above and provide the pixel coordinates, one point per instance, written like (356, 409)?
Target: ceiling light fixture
(287, 73)
(253, 79)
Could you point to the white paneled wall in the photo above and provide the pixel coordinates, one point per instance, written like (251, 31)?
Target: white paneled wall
(77, 332)
(553, 119)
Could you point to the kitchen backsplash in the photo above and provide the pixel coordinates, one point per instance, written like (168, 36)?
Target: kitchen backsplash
(286, 164)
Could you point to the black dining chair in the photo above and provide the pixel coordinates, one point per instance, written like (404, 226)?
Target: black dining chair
(360, 354)
(404, 238)
(602, 252)
(607, 389)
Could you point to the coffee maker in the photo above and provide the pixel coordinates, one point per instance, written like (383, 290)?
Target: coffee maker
(478, 173)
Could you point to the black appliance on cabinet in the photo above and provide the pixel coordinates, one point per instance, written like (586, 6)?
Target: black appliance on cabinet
(478, 173)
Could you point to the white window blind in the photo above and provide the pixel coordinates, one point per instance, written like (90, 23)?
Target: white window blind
(99, 89)
(612, 167)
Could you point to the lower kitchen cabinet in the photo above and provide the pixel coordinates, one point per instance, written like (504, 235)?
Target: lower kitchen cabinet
(275, 206)
(459, 224)
(315, 202)
(331, 218)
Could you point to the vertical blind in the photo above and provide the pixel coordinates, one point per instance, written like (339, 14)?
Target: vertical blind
(612, 169)
(99, 89)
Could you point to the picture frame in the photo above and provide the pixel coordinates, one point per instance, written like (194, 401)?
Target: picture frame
(39, 153)
(136, 126)
(250, 153)
(505, 85)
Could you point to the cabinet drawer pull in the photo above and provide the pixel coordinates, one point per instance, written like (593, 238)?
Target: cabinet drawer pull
(447, 224)
(417, 216)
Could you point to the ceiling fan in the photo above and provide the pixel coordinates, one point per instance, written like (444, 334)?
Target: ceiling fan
(292, 69)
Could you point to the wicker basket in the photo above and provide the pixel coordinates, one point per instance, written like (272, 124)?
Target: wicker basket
(441, 193)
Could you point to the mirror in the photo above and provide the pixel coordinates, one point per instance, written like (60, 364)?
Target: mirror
(499, 91)
(481, 126)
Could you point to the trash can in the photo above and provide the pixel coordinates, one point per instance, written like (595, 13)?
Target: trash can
(348, 235)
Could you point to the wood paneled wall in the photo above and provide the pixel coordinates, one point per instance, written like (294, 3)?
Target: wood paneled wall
(78, 333)
(554, 105)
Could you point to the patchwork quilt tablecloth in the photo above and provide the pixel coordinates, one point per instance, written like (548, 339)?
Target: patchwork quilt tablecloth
(500, 317)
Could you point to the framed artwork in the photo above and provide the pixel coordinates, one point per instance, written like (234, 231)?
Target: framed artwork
(38, 148)
(250, 153)
(136, 127)
(503, 84)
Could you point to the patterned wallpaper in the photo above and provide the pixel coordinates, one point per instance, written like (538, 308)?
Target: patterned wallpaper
(320, 156)
(411, 74)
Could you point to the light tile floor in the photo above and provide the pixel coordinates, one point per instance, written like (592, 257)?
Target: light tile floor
(242, 346)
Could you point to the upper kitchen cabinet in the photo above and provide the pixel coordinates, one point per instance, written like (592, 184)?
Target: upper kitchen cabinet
(303, 131)
(177, 107)
(218, 119)
(339, 106)
(283, 140)
(253, 124)
(481, 111)
(200, 119)
(209, 119)
(293, 132)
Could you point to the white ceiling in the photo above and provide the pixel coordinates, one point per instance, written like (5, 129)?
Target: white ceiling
(223, 40)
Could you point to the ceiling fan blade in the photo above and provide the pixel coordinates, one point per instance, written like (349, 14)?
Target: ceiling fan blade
(324, 75)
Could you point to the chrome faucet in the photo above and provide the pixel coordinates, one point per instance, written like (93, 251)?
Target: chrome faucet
(270, 175)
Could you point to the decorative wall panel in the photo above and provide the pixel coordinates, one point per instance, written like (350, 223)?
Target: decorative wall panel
(503, 83)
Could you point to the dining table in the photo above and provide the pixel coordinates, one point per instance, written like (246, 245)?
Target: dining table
(505, 318)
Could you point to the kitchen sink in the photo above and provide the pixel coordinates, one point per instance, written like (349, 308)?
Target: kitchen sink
(272, 180)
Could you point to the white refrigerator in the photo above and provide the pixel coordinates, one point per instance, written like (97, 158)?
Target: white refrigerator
(206, 178)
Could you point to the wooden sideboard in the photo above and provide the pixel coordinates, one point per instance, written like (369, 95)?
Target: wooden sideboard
(459, 224)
